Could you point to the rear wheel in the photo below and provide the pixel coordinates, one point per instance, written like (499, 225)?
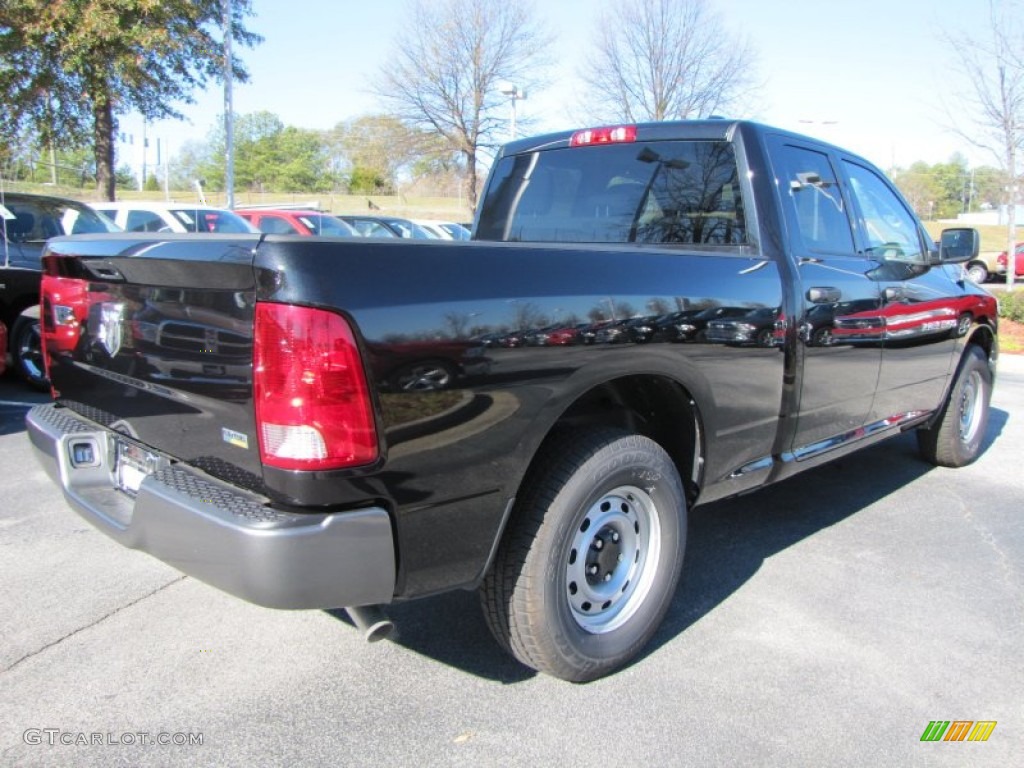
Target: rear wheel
(955, 439)
(977, 272)
(27, 349)
(586, 573)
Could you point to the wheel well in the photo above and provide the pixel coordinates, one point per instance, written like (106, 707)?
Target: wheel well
(640, 404)
(983, 337)
(12, 311)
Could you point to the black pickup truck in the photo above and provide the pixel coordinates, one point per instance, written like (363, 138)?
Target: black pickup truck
(322, 423)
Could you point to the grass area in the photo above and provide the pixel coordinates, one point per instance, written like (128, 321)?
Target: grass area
(993, 236)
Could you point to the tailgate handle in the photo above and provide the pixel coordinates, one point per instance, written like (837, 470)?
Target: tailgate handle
(105, 272)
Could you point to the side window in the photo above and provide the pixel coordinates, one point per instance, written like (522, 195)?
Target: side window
(813, 204)
(143, 221)
(275, 225)
(891, 231)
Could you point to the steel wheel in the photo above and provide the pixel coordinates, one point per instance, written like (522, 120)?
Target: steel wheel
(612, 558)
(956, 436)
(970, 407)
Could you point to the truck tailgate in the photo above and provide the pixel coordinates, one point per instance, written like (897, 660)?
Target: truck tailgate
(152, 337)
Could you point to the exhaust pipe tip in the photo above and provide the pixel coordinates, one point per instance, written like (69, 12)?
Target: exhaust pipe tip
(371, 621)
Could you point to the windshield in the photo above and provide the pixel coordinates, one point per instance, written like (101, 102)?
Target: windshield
(328, 226)
(37, 220)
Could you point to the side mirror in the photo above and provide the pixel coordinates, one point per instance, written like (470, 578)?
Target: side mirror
(959, 245)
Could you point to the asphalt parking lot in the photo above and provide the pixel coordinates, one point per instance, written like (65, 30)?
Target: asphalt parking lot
(824, 621)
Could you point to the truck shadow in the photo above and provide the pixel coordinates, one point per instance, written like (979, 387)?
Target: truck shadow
(728, 542)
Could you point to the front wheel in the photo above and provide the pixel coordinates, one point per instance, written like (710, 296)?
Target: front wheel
(589, 566)
(955, 439)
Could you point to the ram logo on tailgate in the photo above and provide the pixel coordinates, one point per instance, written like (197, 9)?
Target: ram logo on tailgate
(111, 329)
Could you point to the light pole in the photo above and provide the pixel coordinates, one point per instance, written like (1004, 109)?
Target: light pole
(229, 109)
(514, 94)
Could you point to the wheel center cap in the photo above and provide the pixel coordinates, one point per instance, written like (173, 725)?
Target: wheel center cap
(603, 555)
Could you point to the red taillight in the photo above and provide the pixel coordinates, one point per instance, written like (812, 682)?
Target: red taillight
(313, 407)
(620, 134)
(64, 308)
(1001, 259)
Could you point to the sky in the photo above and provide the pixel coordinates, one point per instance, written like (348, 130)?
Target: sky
(877, 77)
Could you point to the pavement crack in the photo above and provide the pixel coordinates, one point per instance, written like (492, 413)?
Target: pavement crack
(92, 624)
(1004, 562)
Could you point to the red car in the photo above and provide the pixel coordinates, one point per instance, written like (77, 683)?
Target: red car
(910, 321)
(299, 222)
(1018, 268)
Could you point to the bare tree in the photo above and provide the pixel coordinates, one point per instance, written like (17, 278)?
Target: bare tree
(994, 69)
(449, 59)
(665, 60)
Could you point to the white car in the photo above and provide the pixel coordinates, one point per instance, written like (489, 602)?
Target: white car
(444, 230)
(143, 216)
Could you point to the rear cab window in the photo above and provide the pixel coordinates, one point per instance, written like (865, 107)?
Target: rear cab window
(683, 192)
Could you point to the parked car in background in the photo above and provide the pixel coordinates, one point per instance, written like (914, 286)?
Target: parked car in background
(694, 328)
(759, 326)
(444, 230)
(1018, 269)
(26, 223)
(636, 330)
(144, 216)
(983, 267)
(298, 222)
(387, 226)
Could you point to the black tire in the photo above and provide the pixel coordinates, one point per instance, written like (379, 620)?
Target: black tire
(27, 350)
(588, 568)
(955, 439)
